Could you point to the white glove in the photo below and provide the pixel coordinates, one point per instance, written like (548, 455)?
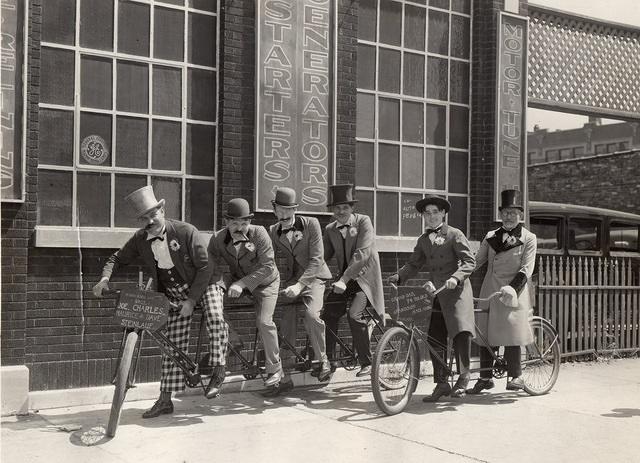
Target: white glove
(339, 287)
(293, 290)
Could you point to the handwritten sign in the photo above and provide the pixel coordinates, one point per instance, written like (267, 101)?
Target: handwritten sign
(295, 100)
(511, 133)
(411, 304)
(410, 218)
(142, 309)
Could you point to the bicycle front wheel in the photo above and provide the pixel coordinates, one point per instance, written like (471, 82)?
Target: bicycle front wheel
(122, 378)
(396, 366)
(541, 362)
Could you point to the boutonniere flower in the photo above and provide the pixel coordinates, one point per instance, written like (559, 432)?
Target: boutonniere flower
(511, 240)
(297, 235)
(174, 245)
(353, 231)
(250, 246)
(438, 240)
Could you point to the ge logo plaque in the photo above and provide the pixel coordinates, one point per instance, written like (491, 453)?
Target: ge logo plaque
(94, 149)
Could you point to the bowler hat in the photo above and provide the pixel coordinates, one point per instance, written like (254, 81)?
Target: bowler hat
(143, 200)
(238, 208)
(341, 194)
(436, 200)
(285, 197)
(511, 198)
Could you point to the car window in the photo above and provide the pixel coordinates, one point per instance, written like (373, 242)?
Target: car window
(584, 235)
(623, 236)
(548, 231)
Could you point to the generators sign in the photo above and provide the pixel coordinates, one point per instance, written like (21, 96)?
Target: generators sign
(511, 133)
(295, 109)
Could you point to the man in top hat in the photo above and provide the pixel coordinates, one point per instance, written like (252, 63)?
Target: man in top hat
(248, 252)
(510, 255)
(176, 256)
(351, 240)
(299, 240)
(444, 252)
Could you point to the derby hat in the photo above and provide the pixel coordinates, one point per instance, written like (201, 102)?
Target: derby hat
(436, 200)
(511, 198)
(238, 208)
(285, 197)
(143, 200)
(341, 194)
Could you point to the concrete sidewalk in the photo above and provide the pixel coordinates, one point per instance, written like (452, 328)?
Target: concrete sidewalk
(592, 415)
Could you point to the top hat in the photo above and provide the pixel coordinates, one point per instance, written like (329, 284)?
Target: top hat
(238, 208)
(143, 200)
(341, 194)
(511, 198)
(285, 197)
(436, 200)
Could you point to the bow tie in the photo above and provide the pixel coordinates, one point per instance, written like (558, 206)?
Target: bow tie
(240, 241)
(340, 227)
(432, 230)
(287, 230)
(159, 238)
(511, 232)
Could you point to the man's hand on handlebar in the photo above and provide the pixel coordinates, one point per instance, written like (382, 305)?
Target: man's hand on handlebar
(394, 279)
(339, 287)
(100, 286)
(292, 291)
(451, 283)
(235, 290)
(186, 307)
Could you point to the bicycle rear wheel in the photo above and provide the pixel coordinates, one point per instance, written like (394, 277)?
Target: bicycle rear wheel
(122, 379)
(541, 363)
(396, 366)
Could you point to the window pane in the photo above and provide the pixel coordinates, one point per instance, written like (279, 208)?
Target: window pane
(169, 189)
(389, 125)
(459, 127)
(388, 165)
(199, 204)
(578, 151)
(547, 231)
(413, 74)
(56, 83)
(126, 184)
(566, 153)
(96, 24)
(387, 216)
(58, 21)
(457, 217)
(434, 169)
(411, 220)
(173, 2)
(390, 22)
(460, 30)
(437, 78)
(389, 71)
(93, 200)
(201, 142)
(54, 197)
(438, 41)
(365, 203)
(95, 80)
(364, 164)
(132, 139)
(412, 167)
(366, 67)
(56, 137)
(168, 36)
(133, 87)
(167, 91)
(623, 237)
(133, 28)
(436, 125)
(412, 122)
(95, 139)
(415, 19)
(206, 5)
(365, 112)
(458, 172)
(166, 145)
(202, 39)
(462, 6)
(459, 82)
(367, 20)
(201, 95)
(584, 235)
(439, 3)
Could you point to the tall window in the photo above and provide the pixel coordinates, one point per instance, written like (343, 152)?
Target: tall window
(412, 110)
(128, 98)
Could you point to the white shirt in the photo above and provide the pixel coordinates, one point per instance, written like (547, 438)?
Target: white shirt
(160, 249)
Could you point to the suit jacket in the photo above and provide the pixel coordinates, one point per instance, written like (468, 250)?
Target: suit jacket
(449, 256)
(253, 263)
(304, 254)
(362, 261)
(188, 250)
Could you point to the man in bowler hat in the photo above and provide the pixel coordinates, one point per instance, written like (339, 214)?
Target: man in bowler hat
(248, 252)
(299, 240)
(350, 238)
(444, 252)
(176, 256)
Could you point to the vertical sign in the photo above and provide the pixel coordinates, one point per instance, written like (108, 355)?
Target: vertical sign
(295, 100)
(11, 69)
(511, 133)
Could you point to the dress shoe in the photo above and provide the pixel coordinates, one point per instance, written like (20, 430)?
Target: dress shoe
(315, 372)
(324, 373)
(279, 389)
(273, 378)
(365, 370)
(460, 387)
(441, 389)
(515, 384)
(159, 408)
(481, 385)
(215, 383)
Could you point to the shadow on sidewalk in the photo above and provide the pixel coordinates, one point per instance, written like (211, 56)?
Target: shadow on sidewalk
(623, 413)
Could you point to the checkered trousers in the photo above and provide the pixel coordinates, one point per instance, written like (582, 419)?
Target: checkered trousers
(178, 327)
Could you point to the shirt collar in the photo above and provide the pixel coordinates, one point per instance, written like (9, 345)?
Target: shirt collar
(162, 235)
